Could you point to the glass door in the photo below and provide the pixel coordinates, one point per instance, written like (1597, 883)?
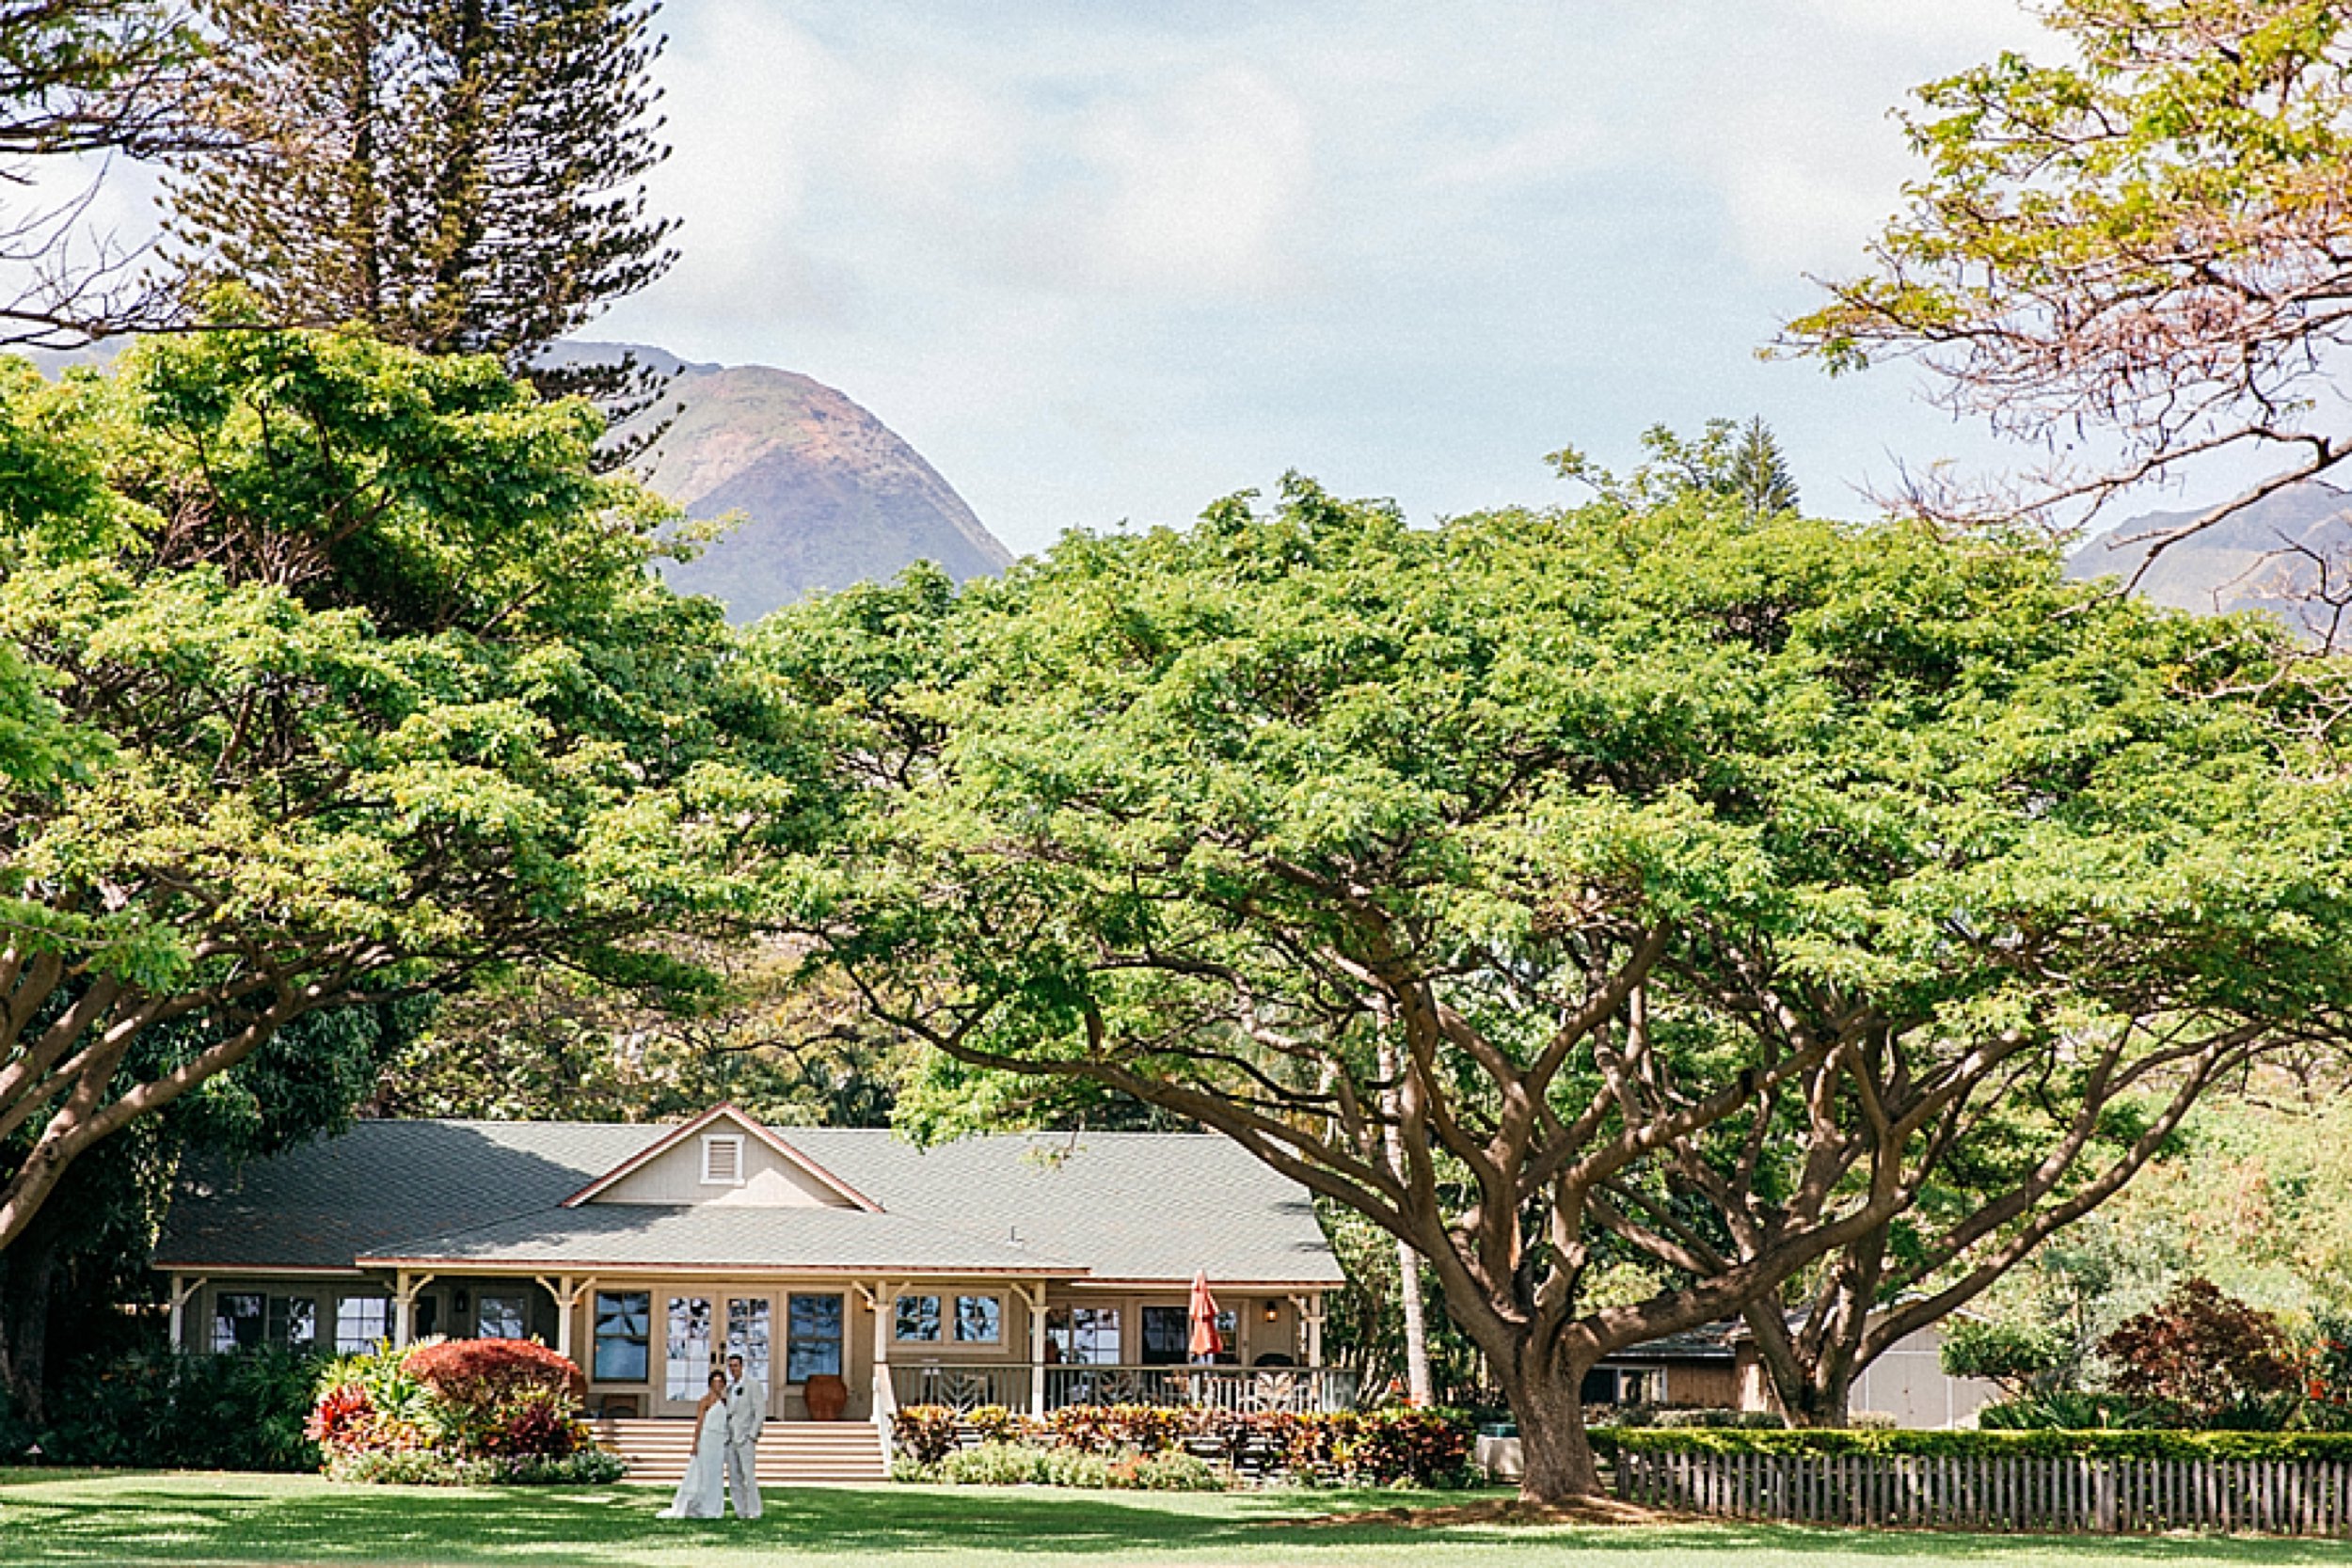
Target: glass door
(686, 1359)
(749, 1331)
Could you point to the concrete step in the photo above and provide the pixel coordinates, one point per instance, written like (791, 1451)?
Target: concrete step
(791, 1452)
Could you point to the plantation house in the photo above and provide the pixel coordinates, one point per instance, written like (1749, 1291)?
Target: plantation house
(1030, 1272)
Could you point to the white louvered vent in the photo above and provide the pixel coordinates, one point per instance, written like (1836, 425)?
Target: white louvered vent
(722, 1160)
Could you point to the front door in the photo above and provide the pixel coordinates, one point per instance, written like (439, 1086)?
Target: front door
(749, 1321)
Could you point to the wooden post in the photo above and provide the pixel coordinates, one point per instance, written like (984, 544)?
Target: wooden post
(181, 1296)
(1035, 1297)
(567, 1296)
(405, 1289)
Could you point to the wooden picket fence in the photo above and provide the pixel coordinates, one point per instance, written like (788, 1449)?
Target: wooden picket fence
(2001, 1493)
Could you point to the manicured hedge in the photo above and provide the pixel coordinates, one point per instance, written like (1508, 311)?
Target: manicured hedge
(1982, 1445)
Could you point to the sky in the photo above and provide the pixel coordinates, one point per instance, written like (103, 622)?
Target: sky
(1103, 262)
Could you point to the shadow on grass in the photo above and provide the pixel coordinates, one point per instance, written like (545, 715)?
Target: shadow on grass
(52, 1518)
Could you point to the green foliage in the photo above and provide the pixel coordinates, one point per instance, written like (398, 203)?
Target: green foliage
(1742, 462)
(164, 1410)
(433, 1467)
(386, 698)
(2014, 1356)
(1211, 816)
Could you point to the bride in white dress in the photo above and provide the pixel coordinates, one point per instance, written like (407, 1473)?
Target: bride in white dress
(702, 1492)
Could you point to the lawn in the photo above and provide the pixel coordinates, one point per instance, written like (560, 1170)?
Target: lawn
(57, 1518)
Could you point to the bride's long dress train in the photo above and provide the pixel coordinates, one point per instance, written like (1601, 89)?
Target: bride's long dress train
(702, 1493)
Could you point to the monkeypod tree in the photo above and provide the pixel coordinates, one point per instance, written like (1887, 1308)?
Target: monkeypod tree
(1571, 847)
(337, 674)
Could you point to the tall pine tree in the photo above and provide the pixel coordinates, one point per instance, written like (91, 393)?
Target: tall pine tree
(1757, 473)
(463, 176)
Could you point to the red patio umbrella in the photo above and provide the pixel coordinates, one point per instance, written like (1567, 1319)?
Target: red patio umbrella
(1207, 1343)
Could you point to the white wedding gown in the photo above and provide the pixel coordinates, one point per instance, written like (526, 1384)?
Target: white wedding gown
(702, 1494)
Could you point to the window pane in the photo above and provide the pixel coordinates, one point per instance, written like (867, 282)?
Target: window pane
(361, 1320)
(1084, 1336)
(1166, 1332)
(293, 1321)
(686, 1367)
(812, 1339)
(622, 1340)
(979, 1319)
(747, 1337)
(919, 1318)
(237, 1321)
(499, 1318)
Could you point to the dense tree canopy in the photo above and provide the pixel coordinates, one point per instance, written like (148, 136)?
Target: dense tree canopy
(341, 675)
(1631, 837)
(2137, 257)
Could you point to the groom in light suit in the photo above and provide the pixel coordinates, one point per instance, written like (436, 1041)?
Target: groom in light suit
(747, 1412)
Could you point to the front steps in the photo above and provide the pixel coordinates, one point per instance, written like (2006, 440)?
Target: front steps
(791, 1453)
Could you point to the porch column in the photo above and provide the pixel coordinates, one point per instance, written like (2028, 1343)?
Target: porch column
(880, 1298)
(1036, 1299)
(1310, 1318)
(405, 1289)
(181, 1296)
(568, 1294)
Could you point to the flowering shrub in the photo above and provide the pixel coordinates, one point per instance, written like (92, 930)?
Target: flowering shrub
(1403, 1445)
(481, 1374)
(454, 1412)
(1171, 1447)
(924, 1432)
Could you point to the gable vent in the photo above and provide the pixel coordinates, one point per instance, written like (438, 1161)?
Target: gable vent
(722, 1160)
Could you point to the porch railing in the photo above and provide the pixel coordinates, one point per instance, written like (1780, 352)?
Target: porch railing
(968, 1386)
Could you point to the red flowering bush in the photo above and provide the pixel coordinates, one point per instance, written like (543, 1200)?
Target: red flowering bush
(479, 1374)
(475, 1411)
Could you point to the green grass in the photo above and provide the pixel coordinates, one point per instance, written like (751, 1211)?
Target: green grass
(80, 1519)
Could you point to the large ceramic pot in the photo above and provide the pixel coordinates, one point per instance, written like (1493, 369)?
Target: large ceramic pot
(826, 1396)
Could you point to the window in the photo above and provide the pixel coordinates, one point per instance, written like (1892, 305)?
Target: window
(237, 1321)
(500, 1318)
(722, 1160)
(686, 1373)
(1168, 1335)
(360, 1321)
(917, 1318)
(244, 1320)
(1083, 1336)
(624, 1339)
(979, 1319)
(811, 1345)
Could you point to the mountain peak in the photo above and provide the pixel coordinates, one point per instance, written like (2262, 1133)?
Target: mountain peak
(829, 494)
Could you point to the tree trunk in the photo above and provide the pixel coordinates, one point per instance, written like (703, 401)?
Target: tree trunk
(28, 1269)
(1419, 1389)
(1548, 1405)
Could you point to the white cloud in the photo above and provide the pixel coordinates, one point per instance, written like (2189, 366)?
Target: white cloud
(1195, 190)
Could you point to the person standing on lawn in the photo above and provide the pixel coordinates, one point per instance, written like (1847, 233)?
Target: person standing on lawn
(702, 1490)
(747, 1414)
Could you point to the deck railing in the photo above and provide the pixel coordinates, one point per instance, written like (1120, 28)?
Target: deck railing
(968, 1386)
